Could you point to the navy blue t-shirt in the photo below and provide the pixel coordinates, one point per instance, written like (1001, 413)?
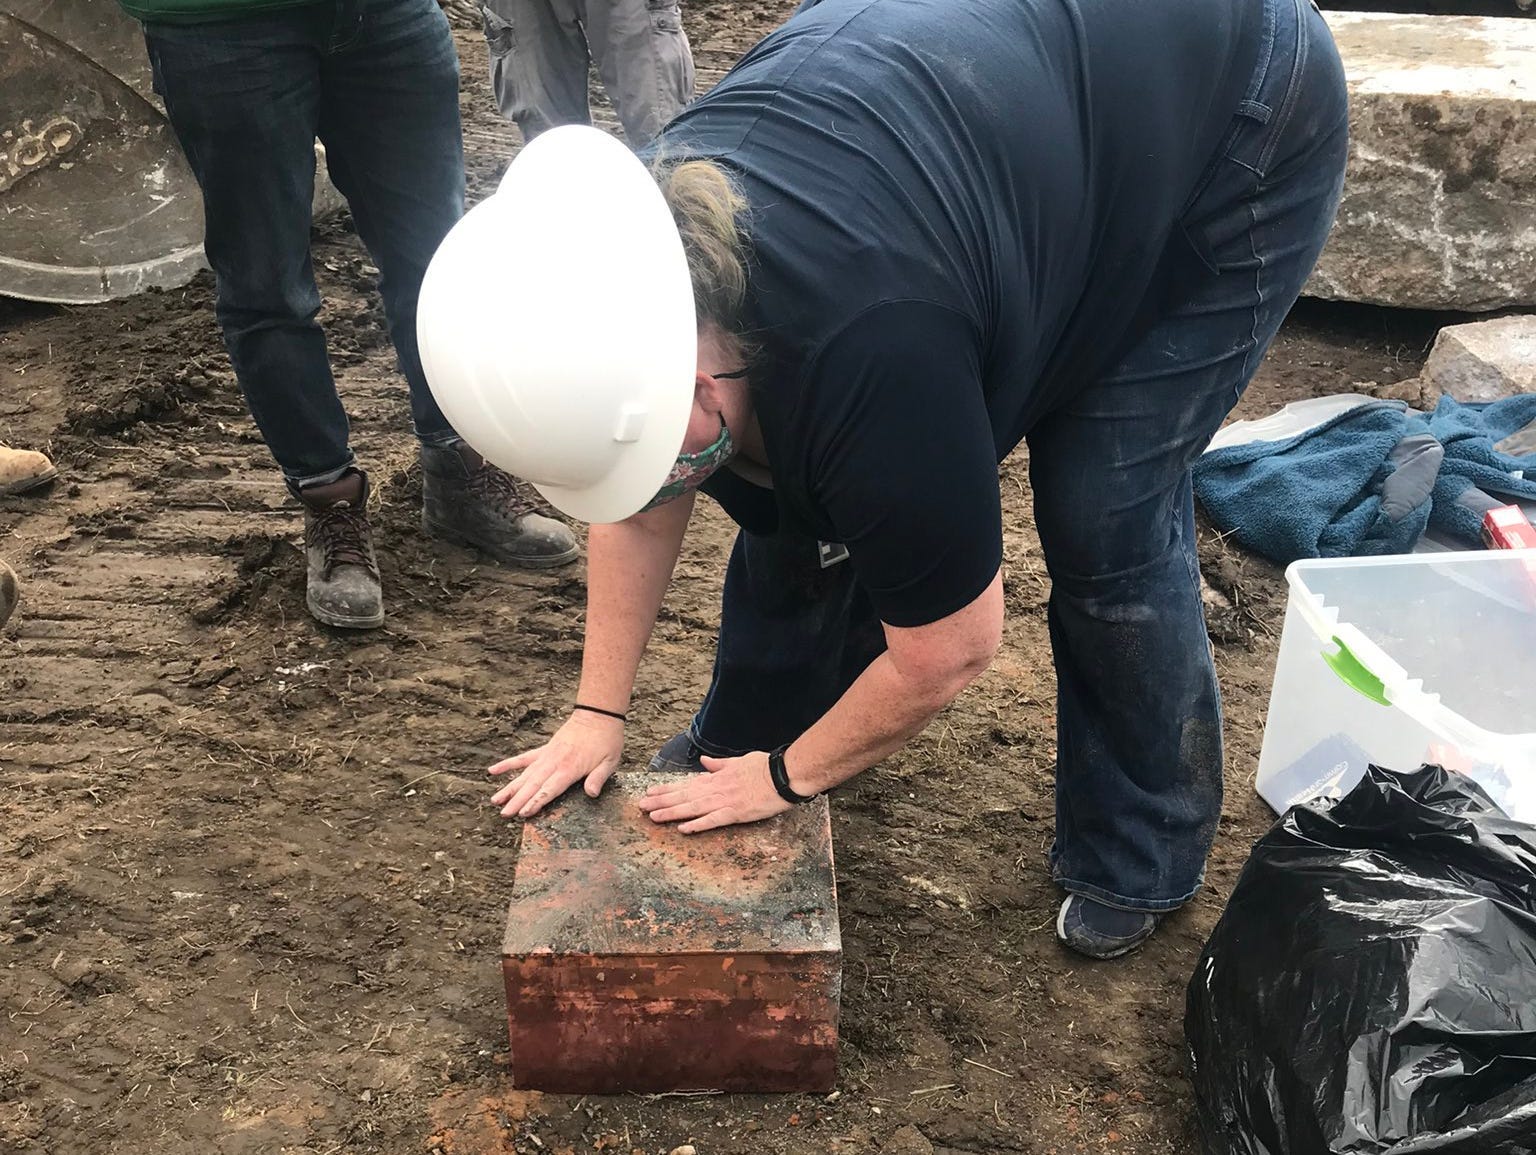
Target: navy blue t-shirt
(959, 209)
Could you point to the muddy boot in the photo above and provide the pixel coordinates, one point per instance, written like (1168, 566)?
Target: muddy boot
(9, 594)
(23, 469)
(467, 500)
(343, 587)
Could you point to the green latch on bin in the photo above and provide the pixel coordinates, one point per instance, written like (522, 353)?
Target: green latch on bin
(1354, 674)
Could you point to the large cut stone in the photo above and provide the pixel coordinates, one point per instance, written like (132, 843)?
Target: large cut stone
(1439, 208)
(1484, 361)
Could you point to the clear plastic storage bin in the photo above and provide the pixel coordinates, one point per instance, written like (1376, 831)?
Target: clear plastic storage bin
(1405, 660)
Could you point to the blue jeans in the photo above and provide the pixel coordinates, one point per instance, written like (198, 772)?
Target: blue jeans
(1139, 772)
(378, 82)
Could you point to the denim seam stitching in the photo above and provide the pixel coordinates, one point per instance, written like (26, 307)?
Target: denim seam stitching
(1292, 92)
(710, 749)
(324, 477)
(1120, 902)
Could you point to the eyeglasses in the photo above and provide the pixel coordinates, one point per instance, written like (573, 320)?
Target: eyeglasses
(737, 375)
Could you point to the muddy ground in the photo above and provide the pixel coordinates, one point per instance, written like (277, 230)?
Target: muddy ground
(251, 894)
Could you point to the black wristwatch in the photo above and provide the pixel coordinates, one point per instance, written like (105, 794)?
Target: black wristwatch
(780, 775)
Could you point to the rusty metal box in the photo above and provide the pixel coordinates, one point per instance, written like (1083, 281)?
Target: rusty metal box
(637, 958)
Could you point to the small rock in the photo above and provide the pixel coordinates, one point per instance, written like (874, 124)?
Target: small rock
(907, 1141)
(1486, 360)
(1419, 393)
(1223, 622)
(685, 1149)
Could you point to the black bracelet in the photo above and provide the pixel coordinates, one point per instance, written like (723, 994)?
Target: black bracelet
(780, 775)
(600, 710)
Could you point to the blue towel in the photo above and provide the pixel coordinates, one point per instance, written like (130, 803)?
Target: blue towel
(1320, 493)
(1370, 481)
(1473, 471)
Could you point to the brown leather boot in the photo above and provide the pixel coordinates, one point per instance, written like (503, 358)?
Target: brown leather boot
(23, 469)
(343, 584)
(9, 594)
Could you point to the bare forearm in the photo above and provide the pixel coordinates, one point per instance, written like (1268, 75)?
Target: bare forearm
(628, 567)
(922, 671)
(875, 717)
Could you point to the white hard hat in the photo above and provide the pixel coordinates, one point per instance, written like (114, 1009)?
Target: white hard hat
(557, 329)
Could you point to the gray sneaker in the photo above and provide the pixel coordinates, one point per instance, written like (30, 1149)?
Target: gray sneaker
(467, 500)
(678, 755)
(1101, 931)
(343, 584)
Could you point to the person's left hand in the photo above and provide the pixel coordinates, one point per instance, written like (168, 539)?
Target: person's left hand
(735, 790)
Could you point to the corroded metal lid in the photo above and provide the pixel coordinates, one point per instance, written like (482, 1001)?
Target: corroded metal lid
(599, 877)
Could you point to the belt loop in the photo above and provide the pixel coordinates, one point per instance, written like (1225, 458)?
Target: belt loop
(1254, 111)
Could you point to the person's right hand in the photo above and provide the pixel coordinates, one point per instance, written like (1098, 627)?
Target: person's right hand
(588, 746)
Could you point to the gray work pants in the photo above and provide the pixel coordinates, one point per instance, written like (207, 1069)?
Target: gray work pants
(540, 51)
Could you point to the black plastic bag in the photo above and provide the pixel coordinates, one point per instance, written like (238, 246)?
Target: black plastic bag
(1371, 987)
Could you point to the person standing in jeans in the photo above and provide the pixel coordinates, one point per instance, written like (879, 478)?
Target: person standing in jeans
(248, 86)
(919, 234)
(540, 51)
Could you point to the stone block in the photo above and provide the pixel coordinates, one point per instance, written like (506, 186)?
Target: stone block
(640, 959)
(1419, 393)
(1484, 361)
(1439, 207)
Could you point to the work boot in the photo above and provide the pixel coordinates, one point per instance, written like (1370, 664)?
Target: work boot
(343, 584)
(9, 594)
(467, 500)
(23, 469)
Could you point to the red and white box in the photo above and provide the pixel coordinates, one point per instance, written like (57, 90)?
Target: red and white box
(1508, 528)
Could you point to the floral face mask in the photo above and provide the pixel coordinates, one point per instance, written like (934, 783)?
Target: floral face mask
(692, 470)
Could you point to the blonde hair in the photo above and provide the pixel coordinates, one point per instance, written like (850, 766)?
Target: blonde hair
(710, 211)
